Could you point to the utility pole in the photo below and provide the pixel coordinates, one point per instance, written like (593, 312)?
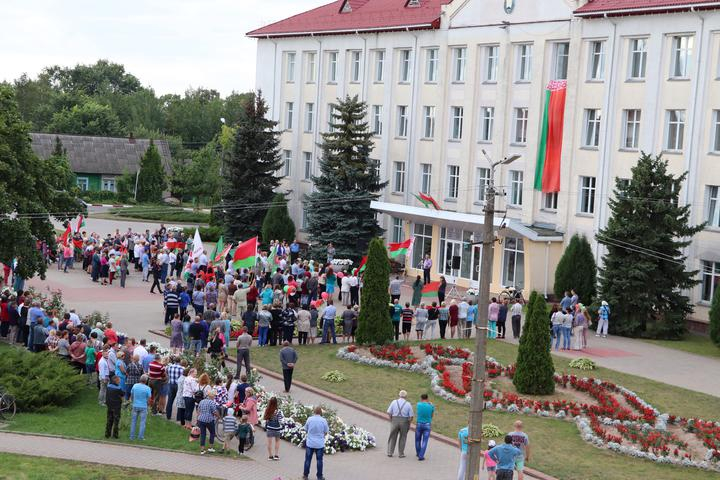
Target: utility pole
(487, 241)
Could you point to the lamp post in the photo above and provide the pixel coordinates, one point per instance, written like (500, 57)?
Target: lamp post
(481, 325)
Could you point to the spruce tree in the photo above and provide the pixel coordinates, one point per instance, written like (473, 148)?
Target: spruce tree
(277, 224)
(338, 211)
(151, 180)
(577, 270)
(715, 318)
(644, 274)
(249, 181)
(535, 369)
(374, 324)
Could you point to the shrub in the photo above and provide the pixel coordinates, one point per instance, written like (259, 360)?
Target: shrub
(491, 431)
(334, 376)
(576, 270)
(99, 196)
(38, 380)
(162, 213)
(535, 370)
(715, 318)
(208, 234)
(277, 224)
(374, 324)
(582, 364)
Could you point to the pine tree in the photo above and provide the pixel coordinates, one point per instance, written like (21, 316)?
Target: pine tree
(277, 224)
(374, 324)
(249, 173)
(535, 369)
(151, 179)
(643, 276)
(715, 318)
(576, 270)
(338, 211)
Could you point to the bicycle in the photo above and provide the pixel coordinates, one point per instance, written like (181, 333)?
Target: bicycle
(509, 293)
(7, 405)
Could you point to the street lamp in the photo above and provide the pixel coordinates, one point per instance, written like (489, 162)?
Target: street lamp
(481, 326)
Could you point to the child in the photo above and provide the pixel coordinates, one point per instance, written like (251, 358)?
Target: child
(488, 463)
(229, 427)
(243, 432)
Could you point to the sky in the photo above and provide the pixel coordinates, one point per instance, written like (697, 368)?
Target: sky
(170, 45)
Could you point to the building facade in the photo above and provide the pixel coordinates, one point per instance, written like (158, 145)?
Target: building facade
(450, 83)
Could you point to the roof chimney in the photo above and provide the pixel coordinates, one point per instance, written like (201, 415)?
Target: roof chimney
(131, 139)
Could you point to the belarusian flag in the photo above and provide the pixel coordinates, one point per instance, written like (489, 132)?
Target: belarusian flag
(174, 244)
(80, 223)
(547, 170)
(245, 254)
(431, 289)
(362, 266)
(65, 236)
(401, 248)
(427, 200)
(221, 252)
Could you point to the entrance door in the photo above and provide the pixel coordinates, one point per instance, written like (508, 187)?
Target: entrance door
(453, 250)
(476, 256)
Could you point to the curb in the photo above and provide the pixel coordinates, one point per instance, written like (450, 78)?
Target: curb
(530, 472)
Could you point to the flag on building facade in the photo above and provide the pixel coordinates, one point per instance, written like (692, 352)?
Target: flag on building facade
(245, 254)
(547, 170)
(427, 201)
(431, 289)
(397, 249)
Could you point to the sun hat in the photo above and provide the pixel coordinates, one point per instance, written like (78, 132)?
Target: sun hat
(491, 443)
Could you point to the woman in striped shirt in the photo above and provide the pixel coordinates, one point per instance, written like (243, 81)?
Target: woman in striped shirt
(273, 427)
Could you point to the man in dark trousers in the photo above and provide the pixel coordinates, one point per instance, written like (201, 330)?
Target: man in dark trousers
(288, 359)
(113, 400)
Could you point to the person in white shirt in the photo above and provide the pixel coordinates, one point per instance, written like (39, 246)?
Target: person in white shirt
(140, 349)
(74, 318)
(172, 259)
(516, 316)
(204, 260)
(400, 413)
(354, 289)
(345, 291)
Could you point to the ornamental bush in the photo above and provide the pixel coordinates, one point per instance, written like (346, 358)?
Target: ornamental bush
(374, 324)
(715, 318)
(576, 270)
(535, 369)
(38, 381)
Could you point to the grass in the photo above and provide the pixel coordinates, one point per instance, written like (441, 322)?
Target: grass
(557, 448)
(158, 213)
(692, 343)
(24, 467)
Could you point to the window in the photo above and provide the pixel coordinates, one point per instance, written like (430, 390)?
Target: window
(596, 60)
(399, 177)
(550, 201)
(405, 66)
(290, 72)
(631, 129)
(513, 274)
(307, 160)
(309, 116)
(422, 245)
(108, 184)
(377, 126)
(402, 121)
(483, 180)
(561, 54)
(332, 67)
(521, 121)
(289, 106)
(431, 62)
(516, 187)
(491, 63)
(456, 123)
(287, 162)
(524, 62)
(83, 183)
(487, 118)
(428, 121)
(675, 129)
(713, 206)
(587, 195)
(453, 186)
(331, 117)
(459, 59)
(682, 46)
(710, 278)
(425, 177)
(375, 164)
(716, 131)
(592, 128)
(310, 74)
(397, 230)
(379, 65)
(355, 66)
(638, 58)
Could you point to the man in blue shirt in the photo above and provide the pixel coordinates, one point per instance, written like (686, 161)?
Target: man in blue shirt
(425, 411)
(294, 250)
(35, 315)
(504, 456)
(140, 397)
(329, 322)
(316, 428)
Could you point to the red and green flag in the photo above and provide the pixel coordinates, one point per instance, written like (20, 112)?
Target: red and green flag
(221, 251)
(245, 254)
(427, 201)
(80, 223)
(401, 248)
(65, 236)
(431, 289)
(362, 266)
(547, 171)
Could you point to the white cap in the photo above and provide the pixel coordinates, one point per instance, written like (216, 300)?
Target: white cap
(230, 412)
(604, 303)
(491, 443)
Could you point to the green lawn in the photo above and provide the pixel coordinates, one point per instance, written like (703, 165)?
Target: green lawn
(558, 449)
(692, 343)
(158, 213)
(23, 467)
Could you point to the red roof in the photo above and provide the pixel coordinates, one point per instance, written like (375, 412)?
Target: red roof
(358, 16)
(637, 7)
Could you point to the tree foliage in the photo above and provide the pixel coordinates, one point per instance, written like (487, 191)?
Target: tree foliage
(89, 118)
(151, 180)
(338, 211)
(277, 224)
(31, 187)
(577, 270)
(125, 186)
(715, 317)
(644, 273)
(535, 369)
(374, 324)
(249, 179)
